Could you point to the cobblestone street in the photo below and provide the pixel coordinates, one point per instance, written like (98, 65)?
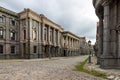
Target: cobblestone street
(43, 69)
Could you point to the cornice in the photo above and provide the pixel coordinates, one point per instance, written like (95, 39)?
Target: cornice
(68, 32)
(44, 17)
(8, 12)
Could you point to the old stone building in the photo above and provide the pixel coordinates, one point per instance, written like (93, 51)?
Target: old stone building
(40, 36)
(71, 44)
(84, 49)
(31, 35)
(9, 34)
(108, 12)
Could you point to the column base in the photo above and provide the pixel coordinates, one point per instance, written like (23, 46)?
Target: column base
(111, 63)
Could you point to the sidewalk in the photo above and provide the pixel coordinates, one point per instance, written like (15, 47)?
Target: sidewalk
(37, 59)
(113, 74)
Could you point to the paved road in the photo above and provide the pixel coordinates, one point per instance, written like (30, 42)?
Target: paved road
(55, 69)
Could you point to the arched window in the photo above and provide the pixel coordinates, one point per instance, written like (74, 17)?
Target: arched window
(1, 33)
(12, 35)
(1, 48)
(12, 49)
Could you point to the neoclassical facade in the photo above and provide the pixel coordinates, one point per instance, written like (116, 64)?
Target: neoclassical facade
(108, 12)
(40, 35)
(71, 44)
(9, 34)
(31, 35)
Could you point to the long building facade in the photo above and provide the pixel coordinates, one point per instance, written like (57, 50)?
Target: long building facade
(31, 35)
(108, 12)
(71, 44)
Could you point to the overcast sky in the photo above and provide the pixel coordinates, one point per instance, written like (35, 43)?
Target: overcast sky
(77, 16)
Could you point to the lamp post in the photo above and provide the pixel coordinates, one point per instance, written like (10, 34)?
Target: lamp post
(89, 44)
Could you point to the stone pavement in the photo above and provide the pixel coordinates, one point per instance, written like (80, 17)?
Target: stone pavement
(113, 74)
(43, 69)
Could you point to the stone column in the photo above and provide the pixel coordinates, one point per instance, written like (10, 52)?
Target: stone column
(66, 41)
(53, 36)
(100, 40)
(42, 30)
(42, 39)
(118, 45)
(107, 60)
(58, 38)
(113, 32)
(48, 35)
(39, 41)
(106, 32)
(67, 45)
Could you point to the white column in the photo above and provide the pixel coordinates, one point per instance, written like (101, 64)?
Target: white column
(58, 38)
(53, 36)
(118, 45)
(48, 35)
(67, 41)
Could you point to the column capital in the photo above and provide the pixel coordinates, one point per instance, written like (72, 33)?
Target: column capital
(106, 2)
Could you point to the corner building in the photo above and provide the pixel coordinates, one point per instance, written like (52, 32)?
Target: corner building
(31, 35)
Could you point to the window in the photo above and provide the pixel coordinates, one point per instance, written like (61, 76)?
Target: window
(12, 49)
(1, 33)
(24, 22)
(12, 22)
(35, 23)
(24, 34)
(35, 49)
(12, 35)
(1, 19)
(1, 48)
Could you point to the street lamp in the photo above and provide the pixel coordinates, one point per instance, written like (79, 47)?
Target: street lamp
(89, 44)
